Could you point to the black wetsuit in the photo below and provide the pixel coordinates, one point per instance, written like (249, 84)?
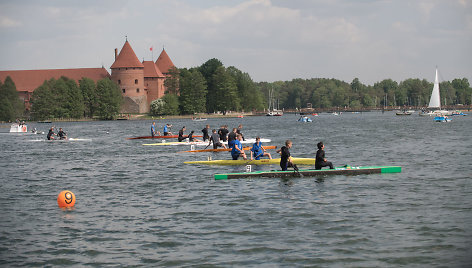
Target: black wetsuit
(223, 134)
(320, 160)
(181, 135)
(231, 139)
(61, 134)
(239, 132)
(205, 134)
(50, 133)
(190, 137)
(284, 157)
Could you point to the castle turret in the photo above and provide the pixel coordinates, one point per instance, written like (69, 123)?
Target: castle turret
(128, 72)
(153, 81)
(164, 63)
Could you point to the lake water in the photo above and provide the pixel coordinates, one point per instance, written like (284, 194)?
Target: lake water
(141, 206)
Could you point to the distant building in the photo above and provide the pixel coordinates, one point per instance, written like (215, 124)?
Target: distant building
(26, 81)
(140, 82)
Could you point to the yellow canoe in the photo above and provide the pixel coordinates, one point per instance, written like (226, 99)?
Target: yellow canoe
(242, 162)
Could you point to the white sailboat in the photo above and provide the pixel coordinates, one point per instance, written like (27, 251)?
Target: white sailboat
(435, 100)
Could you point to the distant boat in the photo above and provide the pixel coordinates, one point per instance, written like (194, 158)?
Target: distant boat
(435, 101)
(272, 111)
(404, 113)
(305, 119)
(199, 119)
(442, 119)
(18, 128)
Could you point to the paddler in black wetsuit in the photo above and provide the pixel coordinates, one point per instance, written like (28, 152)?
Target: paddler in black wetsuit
(232, 138)
(320, 158)
(51, 134)
(285, 158)
(181, 135)
(191, 138)
(205, 133)
(240, 127)
(62, 135)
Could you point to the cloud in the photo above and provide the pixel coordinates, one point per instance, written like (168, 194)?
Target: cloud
(6, 22)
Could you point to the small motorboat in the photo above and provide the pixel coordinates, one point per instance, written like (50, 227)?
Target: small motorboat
(18, 128)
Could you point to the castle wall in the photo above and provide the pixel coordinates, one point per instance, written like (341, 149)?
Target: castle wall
(131, 82)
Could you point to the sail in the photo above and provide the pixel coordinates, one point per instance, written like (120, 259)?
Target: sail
(435, 101)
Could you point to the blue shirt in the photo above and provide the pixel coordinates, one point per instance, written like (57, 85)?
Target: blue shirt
(257, 150)
(153, 130)
(236, 143)
(165, 128)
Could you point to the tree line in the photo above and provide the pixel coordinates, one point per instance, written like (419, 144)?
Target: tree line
(63, 98)
(333, 93)
(209, 88)
(212, 87)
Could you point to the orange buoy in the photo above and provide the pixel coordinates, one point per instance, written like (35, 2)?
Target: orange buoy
(66, 199)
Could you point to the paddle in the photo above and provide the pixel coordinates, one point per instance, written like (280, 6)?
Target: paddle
(295, 168)
(261, 154)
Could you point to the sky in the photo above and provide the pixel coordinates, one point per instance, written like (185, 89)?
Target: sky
(271, 40)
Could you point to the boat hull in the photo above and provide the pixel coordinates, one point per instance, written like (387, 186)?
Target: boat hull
(242, 162)
(159, 137)
(311, 172)
(225, 150)
(198, 143)
(16, 128)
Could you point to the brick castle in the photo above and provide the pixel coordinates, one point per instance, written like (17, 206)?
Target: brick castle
(140, 82)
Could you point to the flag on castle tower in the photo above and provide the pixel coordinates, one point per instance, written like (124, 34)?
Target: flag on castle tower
(150, 48)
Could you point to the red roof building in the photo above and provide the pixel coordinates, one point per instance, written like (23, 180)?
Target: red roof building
(164, 63)
(26, 81)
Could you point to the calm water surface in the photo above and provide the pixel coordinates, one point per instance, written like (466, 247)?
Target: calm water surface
(141, 206)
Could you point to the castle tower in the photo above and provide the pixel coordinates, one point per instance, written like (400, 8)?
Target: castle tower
(128, 72)
(164, 63)
(153, 81)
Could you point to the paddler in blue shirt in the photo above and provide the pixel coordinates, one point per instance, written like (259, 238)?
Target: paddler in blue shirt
(153, 130)
(237, 150)
(166, 129)
(258, 150)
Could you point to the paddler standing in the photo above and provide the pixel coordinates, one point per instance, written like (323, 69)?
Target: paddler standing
(205, 133)
(285, 158)
(215, 138)
(153, 130)
(237, 150)
(240, 127)
(258, 150)
(320, 158)
(232, 138)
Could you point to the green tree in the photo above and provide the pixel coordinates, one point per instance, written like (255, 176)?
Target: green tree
(11, 107)
(109, 99)
(207, 70)
(171, 104)
(75, 100)
(249, 94)
(193, 90)
(89, 95)
(43, 101)
(172, 81)
(225, 92)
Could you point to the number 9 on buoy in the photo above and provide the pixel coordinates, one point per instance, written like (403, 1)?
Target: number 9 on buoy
(66, 199)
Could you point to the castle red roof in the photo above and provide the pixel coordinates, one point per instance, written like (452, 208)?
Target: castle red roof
(151, 70)
(29, 80)
(127, 58)
(164, 63)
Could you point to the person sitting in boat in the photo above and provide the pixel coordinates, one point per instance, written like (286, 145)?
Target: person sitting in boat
(285, 158)
(240, 127)
(320, 158)
(232, 137)
(153, 130)
(215, 138)
(258, 150)
(237, 150)
(191, 138)
(205, 133)
(51, 134)
(166, 129)
(181, 135)
(61, 134)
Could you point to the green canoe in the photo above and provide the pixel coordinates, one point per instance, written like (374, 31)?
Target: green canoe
(311, 172)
